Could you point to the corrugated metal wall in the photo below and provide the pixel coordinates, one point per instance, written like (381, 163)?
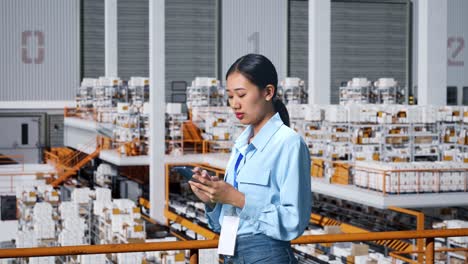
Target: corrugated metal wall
(55, 130)
(40, 49)
(190, 41)
(457, 52)
(92, 38)
(369, 40)
(133, 38)
(298, 39)
(255, 26)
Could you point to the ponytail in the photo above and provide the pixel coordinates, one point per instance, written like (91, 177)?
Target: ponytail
(280, 108)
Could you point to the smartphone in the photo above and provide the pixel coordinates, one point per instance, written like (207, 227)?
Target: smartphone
(195, 180)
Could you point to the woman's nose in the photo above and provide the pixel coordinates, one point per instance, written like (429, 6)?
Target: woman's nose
(235, 104)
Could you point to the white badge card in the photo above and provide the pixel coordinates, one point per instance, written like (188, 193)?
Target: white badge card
(227, 239)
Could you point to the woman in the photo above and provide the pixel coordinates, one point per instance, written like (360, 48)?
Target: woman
(267, 182)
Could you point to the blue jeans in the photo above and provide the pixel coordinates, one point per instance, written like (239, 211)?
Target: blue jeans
(261, 249)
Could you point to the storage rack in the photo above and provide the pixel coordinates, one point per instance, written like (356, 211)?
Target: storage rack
(126, 134)
(144, 131)
(138, 92)
(367, 141)
(292, 91)
(396, 145)
(84, 98)
(175, 129)
(205, 91)
(425, 142)
(389, 92)
(357, 91)
(315, 137)
(362, 91)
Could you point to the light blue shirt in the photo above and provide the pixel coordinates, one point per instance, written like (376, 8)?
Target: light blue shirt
(274, 176)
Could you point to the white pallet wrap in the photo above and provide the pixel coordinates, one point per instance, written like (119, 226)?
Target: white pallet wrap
(71, 237)
(103, 194)
(42, 260)
(401, 177)
(42, 210)
(134, 230)
(81, 195)
(76, 224)
(336, 114)
(451, 224)
(26, 239)
(298, 111)
(100, 208)
(68, 210)
(118, 222)
(124, 205)
(130, 258)
(92, 259)
(44, 228)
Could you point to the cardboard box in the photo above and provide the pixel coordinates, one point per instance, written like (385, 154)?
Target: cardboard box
(359, 250)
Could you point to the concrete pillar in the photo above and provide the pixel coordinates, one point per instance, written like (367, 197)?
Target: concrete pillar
(432, 52)
(319, 51)
(110, 38)
(158, 108)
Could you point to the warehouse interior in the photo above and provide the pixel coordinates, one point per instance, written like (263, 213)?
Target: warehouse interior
(108, 105)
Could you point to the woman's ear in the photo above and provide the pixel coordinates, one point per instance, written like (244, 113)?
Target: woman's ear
(269, 92)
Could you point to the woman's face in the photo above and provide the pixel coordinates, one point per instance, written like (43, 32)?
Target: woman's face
(248, 102)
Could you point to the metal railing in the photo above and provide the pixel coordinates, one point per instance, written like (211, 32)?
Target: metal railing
(194, 246)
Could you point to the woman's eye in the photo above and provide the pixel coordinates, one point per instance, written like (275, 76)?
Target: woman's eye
(241, 95)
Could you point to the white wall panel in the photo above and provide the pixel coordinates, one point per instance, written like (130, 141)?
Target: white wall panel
(39, 49)
(255, 26)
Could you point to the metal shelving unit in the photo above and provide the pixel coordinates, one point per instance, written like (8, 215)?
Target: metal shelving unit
(396, 143)
(314, 136)
(425, 142)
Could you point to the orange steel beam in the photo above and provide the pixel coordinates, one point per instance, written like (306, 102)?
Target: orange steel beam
(419, 226)
(437, 250)
(208, 234)
(25, 173)
(396, 256)
(178, 236)
(414, 234)
(69, 172)
(147, 218)
(429, 250)
(143, 202)
(350, 229)
(205, 244)
(167, 175)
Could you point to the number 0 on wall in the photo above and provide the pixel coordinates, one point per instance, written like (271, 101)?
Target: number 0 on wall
(26, 37)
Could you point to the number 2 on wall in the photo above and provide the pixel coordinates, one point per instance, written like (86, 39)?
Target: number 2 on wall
(455, 46)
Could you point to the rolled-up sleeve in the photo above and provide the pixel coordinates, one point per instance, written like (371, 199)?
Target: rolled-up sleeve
(287, 219)
(213, 217)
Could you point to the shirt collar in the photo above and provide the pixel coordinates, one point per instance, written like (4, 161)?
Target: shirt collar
(263, 136)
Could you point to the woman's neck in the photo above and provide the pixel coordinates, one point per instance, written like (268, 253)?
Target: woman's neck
(256, 127)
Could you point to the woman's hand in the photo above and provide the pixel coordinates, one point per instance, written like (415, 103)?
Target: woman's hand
(201, 195)
(216, 191)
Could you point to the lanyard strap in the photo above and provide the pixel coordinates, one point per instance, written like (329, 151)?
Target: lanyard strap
(235, 169)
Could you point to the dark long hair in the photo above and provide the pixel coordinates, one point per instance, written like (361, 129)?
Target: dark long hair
(259, 70)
